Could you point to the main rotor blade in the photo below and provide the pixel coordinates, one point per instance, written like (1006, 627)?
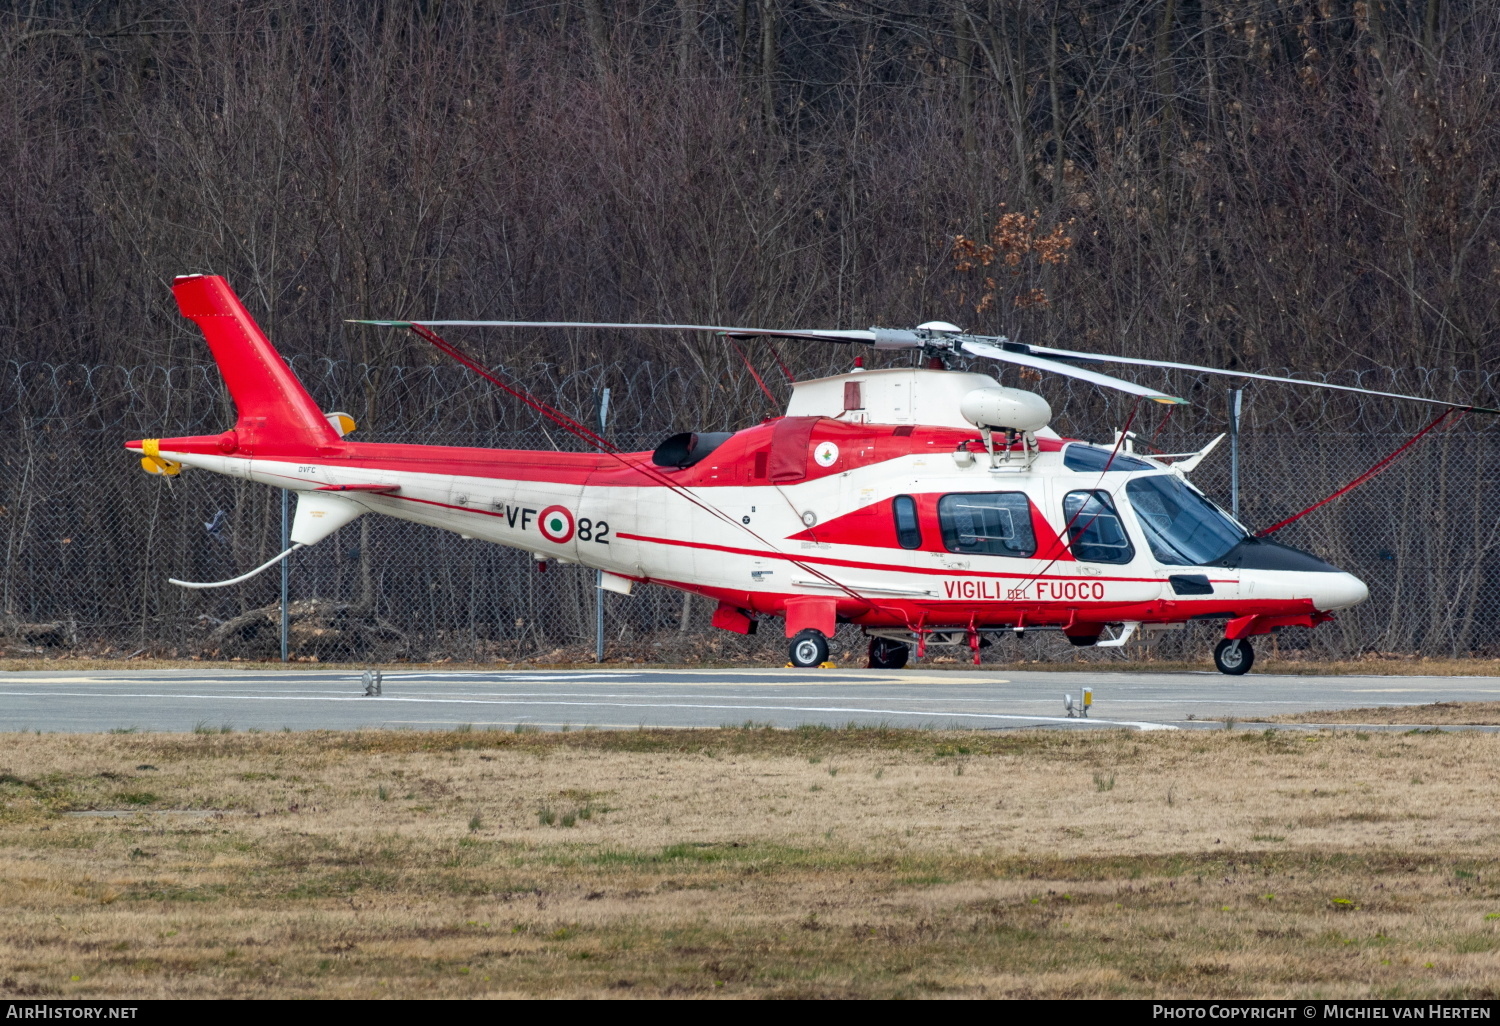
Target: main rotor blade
(880, 338)
(872, 336)
(868, 337)
(1068, 370)
(1136, 361)
(554, 324)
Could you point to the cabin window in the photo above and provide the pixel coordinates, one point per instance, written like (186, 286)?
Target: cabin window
(1088, 458)
(908, 529)
(987, 524)
(1095, 533)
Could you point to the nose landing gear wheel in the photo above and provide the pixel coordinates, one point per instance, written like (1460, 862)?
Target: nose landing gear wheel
(886, 654)
(1234, 657)
(809, 648)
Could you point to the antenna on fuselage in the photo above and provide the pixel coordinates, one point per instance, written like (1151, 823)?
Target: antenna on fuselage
(242, 577)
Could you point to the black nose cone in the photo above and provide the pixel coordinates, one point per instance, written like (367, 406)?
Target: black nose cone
(1259, 554)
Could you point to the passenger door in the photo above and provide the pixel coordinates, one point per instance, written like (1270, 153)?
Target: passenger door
(1106, 553)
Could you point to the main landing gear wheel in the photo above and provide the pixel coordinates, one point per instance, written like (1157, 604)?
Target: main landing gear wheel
(809, 648)
(1234, 656)
(886, 654)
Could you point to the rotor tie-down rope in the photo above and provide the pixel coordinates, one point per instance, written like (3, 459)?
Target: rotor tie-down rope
(608, 448)
(1367, 475)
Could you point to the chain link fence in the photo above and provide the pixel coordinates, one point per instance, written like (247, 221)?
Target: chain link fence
(90, 540)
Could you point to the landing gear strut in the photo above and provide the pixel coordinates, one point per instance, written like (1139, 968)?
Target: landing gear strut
(809, 648)
(1234, 656)
(886, 654)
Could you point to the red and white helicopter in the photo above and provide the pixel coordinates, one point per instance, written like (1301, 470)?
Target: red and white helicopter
(927, 505)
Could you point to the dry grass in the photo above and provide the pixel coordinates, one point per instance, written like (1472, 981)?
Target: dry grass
(1434, 714)
(751, 862)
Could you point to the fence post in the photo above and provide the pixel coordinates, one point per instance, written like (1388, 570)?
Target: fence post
(1235, 394)
(598, 616)
(599, 574)
(286, 571)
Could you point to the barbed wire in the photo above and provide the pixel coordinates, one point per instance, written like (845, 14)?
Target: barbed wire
(652, 396)
(87, 541)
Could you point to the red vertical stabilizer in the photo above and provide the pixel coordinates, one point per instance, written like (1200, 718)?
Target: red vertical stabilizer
(275, 411)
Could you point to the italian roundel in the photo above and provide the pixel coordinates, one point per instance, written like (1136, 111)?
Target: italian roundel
(556, 524)
(826, 453)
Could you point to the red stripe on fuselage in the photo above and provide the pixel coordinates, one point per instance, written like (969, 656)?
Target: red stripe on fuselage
(887, 567)
(874, 527)
(905, 612)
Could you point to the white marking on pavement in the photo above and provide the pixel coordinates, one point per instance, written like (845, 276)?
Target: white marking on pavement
(1139, 725)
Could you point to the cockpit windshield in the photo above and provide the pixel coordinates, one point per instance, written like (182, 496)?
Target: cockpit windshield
(1181, 526)
(1079, 456)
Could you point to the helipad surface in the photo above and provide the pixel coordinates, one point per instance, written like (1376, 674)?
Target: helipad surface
(179, 700)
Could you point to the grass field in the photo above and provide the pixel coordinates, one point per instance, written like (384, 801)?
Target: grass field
(1439, 714)
(750, 862)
